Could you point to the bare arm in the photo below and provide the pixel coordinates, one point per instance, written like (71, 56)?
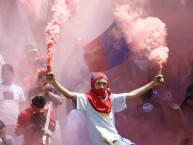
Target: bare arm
(68, 94)
(177, 108)
(55, 98)
(47, 90)
(135, 93)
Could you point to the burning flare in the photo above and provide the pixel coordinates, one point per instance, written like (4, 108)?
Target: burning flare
(63, 11)
(146, 35)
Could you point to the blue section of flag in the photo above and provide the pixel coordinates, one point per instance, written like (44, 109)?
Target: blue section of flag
(107, 50)
(116, 50)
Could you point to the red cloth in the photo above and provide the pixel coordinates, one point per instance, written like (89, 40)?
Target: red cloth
(96, 76)
(33, 136)
(103, 105)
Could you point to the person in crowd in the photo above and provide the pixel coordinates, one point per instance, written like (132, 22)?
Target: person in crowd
(5, 139)
(75, 124)
(185, 111)
(26, 64)
(31, 122)
(185, 117)
(76, 78)
(149, 113)
(188, 77)
(11, 96)
(27, 67)
(43, 88)
(99, 106)
(31, 79)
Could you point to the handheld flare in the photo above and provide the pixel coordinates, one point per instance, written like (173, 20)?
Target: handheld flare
(160, 66)
(49, 68)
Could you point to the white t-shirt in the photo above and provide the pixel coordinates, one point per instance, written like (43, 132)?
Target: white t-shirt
(100, 124)
(10, 97)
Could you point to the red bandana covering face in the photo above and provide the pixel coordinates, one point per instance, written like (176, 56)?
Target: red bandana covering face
(99, 98)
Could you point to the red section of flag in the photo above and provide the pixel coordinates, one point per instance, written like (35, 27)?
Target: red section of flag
(94, 55)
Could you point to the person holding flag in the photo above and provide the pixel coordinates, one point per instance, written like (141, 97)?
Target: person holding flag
(99, 106)
(32, 122)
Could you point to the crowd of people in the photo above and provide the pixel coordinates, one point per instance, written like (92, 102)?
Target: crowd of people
(29, 108)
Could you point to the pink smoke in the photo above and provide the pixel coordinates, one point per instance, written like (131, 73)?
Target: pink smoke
(36, 9)
(146, 34)
(63, 11)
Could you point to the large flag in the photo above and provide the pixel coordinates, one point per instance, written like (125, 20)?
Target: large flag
(107, 50)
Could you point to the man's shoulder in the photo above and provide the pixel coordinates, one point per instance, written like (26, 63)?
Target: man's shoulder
(17, 87)
(117, 95)
(81, 94)
(26, 111)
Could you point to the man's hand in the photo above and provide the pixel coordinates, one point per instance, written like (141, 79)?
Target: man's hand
(39, 119)
(158, 79)
(175, 106)
(46, 88)
(50, 77)
(47, 132)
